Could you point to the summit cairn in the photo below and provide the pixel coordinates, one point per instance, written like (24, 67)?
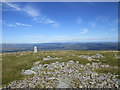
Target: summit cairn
(35, 49)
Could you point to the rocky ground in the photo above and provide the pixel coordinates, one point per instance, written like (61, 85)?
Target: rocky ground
(68, 74)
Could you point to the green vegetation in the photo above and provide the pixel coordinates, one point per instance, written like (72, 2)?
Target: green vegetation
(0, 71)
(107, 70)
(13, 63)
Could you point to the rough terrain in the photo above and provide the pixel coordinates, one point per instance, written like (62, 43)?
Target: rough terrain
(60, 73)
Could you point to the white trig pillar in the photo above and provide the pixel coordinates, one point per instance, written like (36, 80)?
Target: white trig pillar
(35, 49)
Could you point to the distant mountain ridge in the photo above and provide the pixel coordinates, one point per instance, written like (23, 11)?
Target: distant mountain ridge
(60, 46)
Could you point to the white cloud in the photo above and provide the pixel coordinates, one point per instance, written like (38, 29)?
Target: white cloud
(13, 6)
(85, 30)
(17, 24)
(49, 21)
(31, 11)
(35, 14)
(10, 25)
(24, 25)
(45, 20)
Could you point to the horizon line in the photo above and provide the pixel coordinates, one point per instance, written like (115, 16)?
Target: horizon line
(64, 42)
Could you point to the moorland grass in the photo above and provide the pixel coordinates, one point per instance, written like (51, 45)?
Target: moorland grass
(13, 63)
(0, 71)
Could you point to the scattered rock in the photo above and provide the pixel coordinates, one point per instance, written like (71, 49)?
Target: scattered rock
(50, 58)
(23, 54)
(91, 58)
(52, 78)
(66, 75)
(98, 55)
(28, 72)
(62, 85)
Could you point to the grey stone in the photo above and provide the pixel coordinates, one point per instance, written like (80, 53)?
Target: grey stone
(87, 72)
(62, 85)
(52, 78)
(28, 72)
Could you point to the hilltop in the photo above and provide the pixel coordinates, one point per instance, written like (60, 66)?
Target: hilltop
(47, 69)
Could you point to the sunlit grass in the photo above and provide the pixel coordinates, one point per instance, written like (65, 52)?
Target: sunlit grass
(13, 63)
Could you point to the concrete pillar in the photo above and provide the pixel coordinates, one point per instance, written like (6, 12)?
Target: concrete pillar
(35, 49)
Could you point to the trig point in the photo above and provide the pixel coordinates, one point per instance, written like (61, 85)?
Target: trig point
(35, 49)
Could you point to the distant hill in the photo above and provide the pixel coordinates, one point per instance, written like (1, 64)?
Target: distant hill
(60, 46)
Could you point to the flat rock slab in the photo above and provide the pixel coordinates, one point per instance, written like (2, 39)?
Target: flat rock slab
(62, 85)
(28, 72)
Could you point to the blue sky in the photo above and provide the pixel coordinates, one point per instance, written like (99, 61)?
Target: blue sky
(39, 22)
